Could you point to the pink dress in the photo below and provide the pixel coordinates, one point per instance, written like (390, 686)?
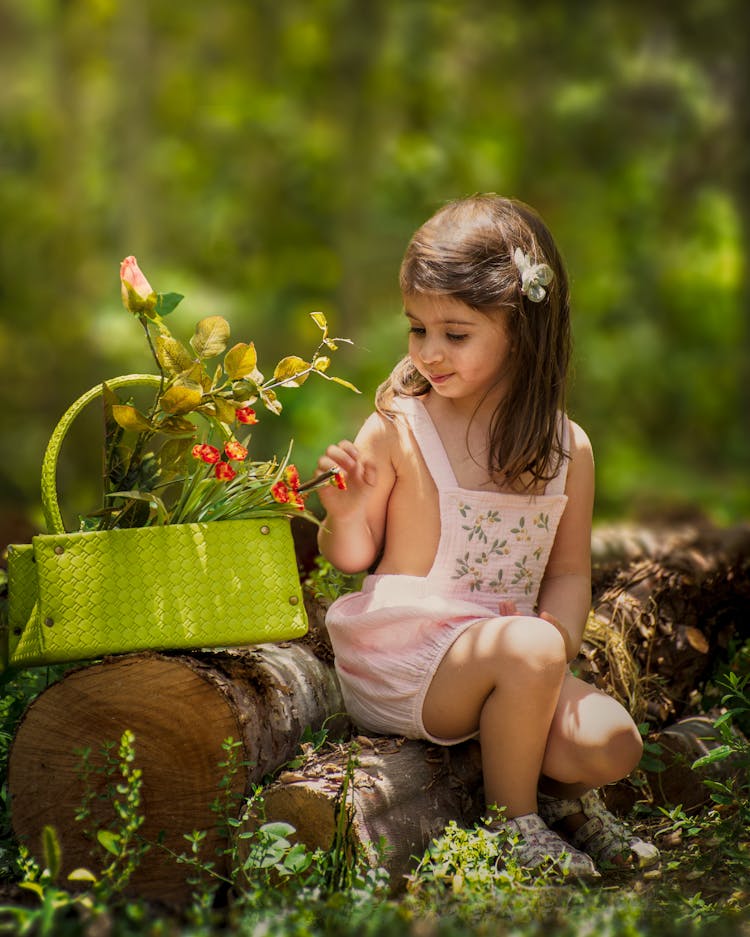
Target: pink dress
(390, 637)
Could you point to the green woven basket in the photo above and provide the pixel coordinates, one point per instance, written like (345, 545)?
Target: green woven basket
(77, 596)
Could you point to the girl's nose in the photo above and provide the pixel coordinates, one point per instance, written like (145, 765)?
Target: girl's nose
(430, 350)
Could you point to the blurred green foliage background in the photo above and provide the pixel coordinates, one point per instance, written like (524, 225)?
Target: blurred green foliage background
(268, 159)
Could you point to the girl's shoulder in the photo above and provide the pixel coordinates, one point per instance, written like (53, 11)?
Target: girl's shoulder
(385, 436)
(580, 474)
(579, 444)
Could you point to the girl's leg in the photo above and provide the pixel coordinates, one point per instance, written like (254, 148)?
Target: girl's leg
(502, 676)
(592, 741)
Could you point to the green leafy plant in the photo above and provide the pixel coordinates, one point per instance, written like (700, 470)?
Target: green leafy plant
(121, 846)
(157, 470)
(327, 583)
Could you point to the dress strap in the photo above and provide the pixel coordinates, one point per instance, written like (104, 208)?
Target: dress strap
(429, 442)
(556, 485)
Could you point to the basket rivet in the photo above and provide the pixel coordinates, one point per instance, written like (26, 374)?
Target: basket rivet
(293, 600)
(49, 622)
(59, 550)
(265, 529)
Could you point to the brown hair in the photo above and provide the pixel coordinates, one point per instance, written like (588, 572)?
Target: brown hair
(465, 251)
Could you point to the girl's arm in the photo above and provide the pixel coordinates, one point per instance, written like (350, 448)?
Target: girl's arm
(565, 593)
(352, 532)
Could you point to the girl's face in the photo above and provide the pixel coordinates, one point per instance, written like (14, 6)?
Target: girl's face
(461, 352)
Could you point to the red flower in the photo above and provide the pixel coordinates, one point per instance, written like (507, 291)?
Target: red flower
(339, 481)
(235, 450)
(280, 492)
(224, 471)
(206, 453)
(246, 415)
(292, 477)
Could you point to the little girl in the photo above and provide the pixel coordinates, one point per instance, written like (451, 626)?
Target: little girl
(471, 494)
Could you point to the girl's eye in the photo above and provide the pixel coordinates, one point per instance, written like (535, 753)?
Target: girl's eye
(456, 338)
(415, 330)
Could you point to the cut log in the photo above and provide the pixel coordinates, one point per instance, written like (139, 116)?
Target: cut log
(180, 709)
(403, 793)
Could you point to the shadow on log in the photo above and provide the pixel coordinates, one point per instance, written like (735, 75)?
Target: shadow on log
(180, 709)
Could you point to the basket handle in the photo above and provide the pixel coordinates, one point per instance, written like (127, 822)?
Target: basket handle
(50, 504)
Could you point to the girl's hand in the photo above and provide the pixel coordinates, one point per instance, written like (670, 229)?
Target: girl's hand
(359, 475)
(545, 616)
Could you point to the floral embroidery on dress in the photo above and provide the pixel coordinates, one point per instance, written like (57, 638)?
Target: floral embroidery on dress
(496, 584)
(482, 568)
(477, 528)
(523, 575)
(520, 531)
(464, 568)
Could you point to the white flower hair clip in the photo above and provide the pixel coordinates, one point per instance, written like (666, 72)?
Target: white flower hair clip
(534, 277)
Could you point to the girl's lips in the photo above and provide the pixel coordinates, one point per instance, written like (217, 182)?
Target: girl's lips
(439, 378)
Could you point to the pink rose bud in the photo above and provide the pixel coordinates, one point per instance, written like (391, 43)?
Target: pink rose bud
(137, 295)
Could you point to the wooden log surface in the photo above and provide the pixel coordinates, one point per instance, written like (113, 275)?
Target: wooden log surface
(180, 709)
(403, 793)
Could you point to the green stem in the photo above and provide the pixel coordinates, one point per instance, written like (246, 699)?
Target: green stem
(144, 322)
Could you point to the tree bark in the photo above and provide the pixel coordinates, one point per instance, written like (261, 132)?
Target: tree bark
(180, 709)
(661, 621)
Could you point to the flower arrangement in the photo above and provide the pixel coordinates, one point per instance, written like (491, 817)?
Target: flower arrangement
(157, 468)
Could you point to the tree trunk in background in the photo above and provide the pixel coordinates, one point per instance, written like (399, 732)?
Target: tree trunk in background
(180, 709)
(660, 622)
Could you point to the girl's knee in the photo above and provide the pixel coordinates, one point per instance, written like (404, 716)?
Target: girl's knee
(536, 644)
(531, 645)
(617, 756)
(627, 749)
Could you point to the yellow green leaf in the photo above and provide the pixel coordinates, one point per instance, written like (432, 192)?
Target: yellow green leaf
(81, 875)
(211, 336)
(182, 397)
(176, 426)
(129, 418)
(171, 354)
(240, 361)
(340, 380)
(292, 371)
(322, 363)
(195, 374)
(33, 886)
(320, 320)
(225, 411)
(110, 841)
(270, 401)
